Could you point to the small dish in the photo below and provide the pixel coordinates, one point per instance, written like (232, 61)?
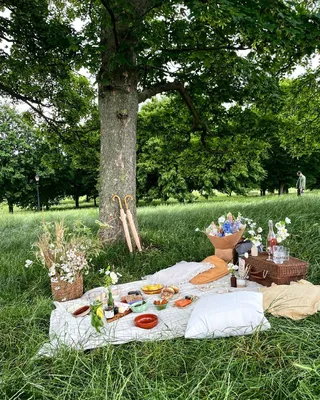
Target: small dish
(146, 321)
(139, 306)
(161, 304)
(81, 312)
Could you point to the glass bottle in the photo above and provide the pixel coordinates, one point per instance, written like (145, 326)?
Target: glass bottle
(109, 309)
(233, 281)
(271, 238)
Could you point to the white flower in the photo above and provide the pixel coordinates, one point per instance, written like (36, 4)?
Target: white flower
(288, 220)
(107, 272)
(221, 219)
(114, 277)
(259, 230)
(246, 255)
(278, 225)
(197, 229)
(101, 271)
(232, 267)
(251, 232)
(28, 263)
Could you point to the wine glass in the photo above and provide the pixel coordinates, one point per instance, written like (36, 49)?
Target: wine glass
(268, 249)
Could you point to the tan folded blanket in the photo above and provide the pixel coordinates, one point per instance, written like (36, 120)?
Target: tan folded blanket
(219, 270)
(295, 301)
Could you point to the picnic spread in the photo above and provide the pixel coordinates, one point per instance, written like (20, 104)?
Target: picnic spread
(78, 333)
(194, 300)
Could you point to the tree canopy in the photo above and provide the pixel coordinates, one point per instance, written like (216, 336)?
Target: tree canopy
(139, 48)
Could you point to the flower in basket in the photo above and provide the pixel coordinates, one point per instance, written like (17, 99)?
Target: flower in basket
(282, 232)
(66, 254)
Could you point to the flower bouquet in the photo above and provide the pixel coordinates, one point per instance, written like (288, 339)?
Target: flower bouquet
(225, 235)
(65, 255)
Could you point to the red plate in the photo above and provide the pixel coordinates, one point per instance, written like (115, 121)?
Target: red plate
(146, 321)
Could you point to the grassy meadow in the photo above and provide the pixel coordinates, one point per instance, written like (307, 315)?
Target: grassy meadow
(282, 363)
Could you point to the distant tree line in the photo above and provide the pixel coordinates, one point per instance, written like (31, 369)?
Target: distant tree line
(258, 145)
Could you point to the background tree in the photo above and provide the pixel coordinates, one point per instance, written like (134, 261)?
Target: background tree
(137, 48)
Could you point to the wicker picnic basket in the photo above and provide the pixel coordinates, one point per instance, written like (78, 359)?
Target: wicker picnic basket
(267, 272)
(63, 291)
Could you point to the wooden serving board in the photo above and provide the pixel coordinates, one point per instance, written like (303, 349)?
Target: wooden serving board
(118, 316)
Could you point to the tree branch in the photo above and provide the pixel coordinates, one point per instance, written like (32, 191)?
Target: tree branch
(106, 4)
(175, 86)
(214, 48)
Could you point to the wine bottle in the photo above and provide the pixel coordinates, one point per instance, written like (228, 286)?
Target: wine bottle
(271, 238)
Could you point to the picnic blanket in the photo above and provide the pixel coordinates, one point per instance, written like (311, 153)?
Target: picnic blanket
(78, 333)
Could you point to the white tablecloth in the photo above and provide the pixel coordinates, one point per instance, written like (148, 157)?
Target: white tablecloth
(78, 333)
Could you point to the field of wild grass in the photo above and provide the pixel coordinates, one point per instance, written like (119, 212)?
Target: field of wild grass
(282, 363)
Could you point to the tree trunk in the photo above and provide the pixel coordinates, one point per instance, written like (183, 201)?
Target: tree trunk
(10, 205)
(76, 200)
(95, 201)
(281, 188)
(262, 192)
(118, 109)
(118, 116)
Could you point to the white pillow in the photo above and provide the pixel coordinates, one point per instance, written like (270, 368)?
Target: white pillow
(181, 272)
(230, 314)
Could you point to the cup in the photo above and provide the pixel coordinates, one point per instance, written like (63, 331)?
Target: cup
(278, 254)
(286, 254)
(241, 283)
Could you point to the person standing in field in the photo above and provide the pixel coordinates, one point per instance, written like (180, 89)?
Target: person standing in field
(301, 183)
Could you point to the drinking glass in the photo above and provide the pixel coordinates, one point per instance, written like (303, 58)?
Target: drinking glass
(286, 254)
(278, 254)
(268, 250)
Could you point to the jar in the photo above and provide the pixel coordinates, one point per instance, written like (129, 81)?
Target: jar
(108, 312)
(233, 281)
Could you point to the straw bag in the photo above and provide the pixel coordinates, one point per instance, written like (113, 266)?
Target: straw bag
(63, 291)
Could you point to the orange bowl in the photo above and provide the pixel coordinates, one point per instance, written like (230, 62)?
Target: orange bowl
(146, 321)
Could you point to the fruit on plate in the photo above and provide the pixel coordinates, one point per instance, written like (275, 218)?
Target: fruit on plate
(152, 287)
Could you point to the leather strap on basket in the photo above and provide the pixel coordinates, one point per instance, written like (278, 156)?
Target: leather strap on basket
(259, 275)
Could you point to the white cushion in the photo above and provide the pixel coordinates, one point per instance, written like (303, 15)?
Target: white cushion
(230, 314)
(182, 272)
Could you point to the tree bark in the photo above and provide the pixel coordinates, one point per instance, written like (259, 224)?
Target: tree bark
(10, 205)
(118, 109)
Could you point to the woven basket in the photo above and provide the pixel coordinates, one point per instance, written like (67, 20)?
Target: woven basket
(267, 272)
(63, 291)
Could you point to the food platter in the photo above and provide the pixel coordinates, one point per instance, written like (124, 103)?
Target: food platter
(152, 289)
(185, 302)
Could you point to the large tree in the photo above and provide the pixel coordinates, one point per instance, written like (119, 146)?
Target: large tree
(139, 48)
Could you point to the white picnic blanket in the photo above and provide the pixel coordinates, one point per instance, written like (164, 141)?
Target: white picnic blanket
(78, 333)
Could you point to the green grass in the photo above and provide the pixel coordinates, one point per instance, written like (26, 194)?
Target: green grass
(282, 363)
